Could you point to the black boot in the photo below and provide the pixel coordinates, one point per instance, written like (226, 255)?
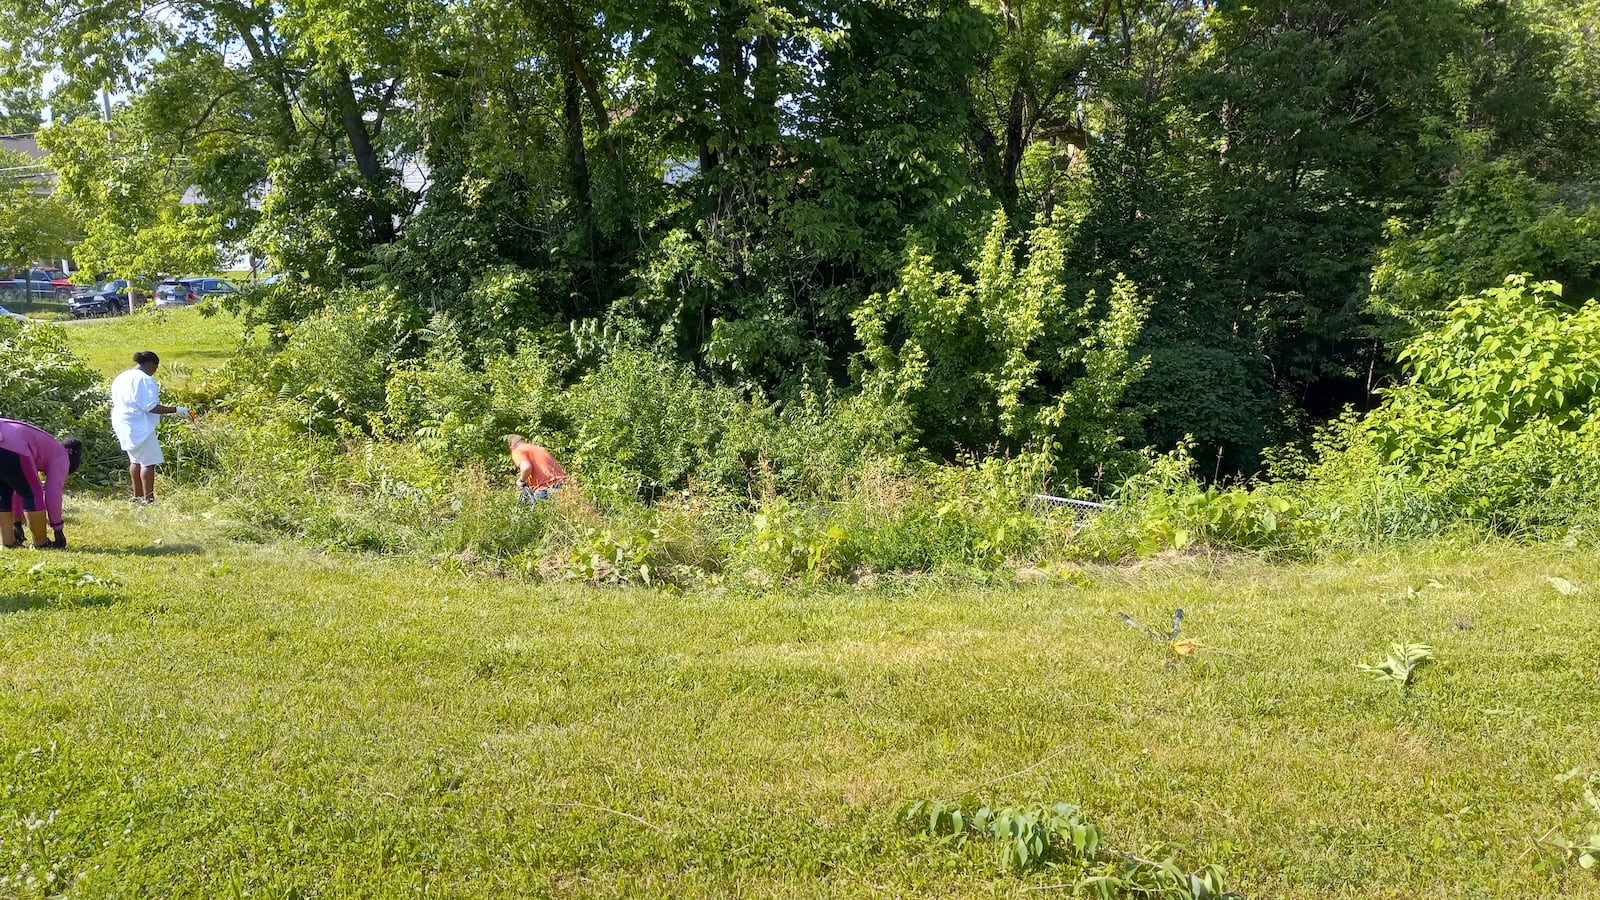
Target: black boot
(60, 542)
(17, 533)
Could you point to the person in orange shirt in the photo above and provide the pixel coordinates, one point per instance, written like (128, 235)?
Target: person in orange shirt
(538, 473)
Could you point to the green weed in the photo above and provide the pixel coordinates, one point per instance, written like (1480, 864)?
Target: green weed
(1056, 836)
(1399, 666)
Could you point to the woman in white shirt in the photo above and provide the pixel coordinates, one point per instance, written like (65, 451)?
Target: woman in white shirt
(136, 410)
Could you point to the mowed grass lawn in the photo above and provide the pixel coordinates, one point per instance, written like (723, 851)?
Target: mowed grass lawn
(220, 719)
(185, 340)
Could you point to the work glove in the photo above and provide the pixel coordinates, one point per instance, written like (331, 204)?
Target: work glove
(184, 412)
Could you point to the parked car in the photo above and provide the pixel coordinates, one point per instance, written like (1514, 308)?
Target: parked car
(61, 281)
(174, 292)
(184, 291)
(209, 286)
(8, 314)
(38, 282)
(108, 298)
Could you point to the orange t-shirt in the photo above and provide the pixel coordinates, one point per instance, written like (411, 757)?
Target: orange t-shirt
(545, 472)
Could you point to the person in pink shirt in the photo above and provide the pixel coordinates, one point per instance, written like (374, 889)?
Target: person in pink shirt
(26, 451)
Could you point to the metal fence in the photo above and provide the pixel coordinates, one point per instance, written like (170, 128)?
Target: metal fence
(1081, 507)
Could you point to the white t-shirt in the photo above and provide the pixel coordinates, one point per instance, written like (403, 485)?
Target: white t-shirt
(133, 395)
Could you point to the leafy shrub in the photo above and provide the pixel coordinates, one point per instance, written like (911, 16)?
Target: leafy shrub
(277, 306)
(785, 539)
(459, 413)
(332, 373)
(672, 543)
(1005, 357)
(1495, 427)
(610, 555)
(1496, 422)
(1350, 493)
(809, 448)
(642, 419)
(42, 382)
(1506, 360)
(1166, 508)
(1492, 222)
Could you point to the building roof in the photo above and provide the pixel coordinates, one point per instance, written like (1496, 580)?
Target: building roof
(35, 171)
(22, 143)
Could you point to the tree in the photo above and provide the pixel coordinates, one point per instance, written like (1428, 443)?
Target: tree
(34, 223)
(1008, 358)
(229, 88)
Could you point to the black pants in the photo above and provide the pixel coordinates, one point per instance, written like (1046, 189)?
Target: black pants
(13, 481)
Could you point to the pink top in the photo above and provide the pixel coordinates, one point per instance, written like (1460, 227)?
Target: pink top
(40, 453)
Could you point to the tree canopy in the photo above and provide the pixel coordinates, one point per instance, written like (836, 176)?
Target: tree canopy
(1285, 187)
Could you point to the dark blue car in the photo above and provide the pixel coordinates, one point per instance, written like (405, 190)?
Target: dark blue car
(108, 298)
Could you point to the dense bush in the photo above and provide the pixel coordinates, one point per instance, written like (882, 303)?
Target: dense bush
(1007, 357)
(460, 413)
(1493, 222)
(332, 372)
(42, 382)
(1495, 424)
(632, 421)
(643, 422)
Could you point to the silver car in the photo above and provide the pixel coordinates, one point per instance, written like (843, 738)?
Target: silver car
(175, 292)
(184, 291)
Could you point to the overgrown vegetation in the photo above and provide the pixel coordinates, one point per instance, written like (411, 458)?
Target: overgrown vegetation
(354, 431)
(1109, 225)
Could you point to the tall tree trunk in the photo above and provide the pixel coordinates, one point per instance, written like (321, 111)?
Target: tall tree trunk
(597, 103)
(765, 83)
(581, 183)
(381, 217)
(734, 126)
(1015, 132)
(730, 100)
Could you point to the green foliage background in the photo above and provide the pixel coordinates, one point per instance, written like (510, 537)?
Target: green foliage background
(1240, 268)
(755, 190)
